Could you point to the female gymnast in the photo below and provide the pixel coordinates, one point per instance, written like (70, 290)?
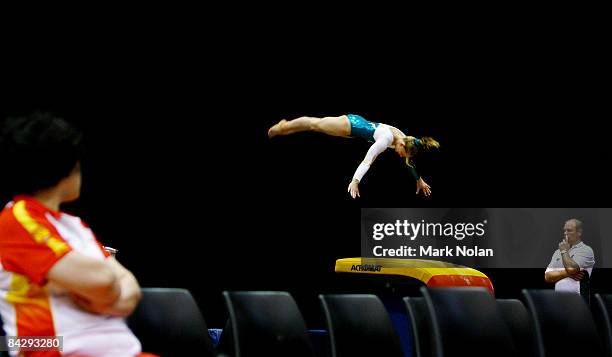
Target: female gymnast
(383, 136)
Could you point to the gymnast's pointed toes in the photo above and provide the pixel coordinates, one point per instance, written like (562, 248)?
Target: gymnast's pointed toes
(276, 129)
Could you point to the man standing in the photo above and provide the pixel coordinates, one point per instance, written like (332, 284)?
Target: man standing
(571, 265)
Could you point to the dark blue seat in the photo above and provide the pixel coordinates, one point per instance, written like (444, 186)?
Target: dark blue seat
(266, 323)
(467, 322)
(359, 325)
(519, 322)
(601, 306)
(564, 325)
(168, 322)
(421, 326)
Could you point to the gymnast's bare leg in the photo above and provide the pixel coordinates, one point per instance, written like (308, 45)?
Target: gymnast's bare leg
(335, 126)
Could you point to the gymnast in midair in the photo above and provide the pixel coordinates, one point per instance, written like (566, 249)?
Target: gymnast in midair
(382, 135)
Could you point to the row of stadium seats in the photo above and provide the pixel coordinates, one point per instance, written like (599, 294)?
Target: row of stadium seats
(446, 322)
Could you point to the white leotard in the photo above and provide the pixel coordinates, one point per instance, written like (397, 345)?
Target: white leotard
(383, 138)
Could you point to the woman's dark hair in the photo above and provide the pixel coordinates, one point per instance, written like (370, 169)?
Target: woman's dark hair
(36, 152)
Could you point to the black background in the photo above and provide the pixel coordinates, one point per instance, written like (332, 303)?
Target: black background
(180, 176)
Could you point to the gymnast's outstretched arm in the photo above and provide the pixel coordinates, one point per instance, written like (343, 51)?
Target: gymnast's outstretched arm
(378, 147)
